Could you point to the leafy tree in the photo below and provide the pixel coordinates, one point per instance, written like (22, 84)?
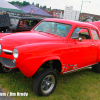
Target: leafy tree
(12, 2)
(41, 7)
(50, 8)
(37, 5)
(44, 7)
(84, 20)
(33, 3)
(17, 2)
(95, 19)
(25, 3)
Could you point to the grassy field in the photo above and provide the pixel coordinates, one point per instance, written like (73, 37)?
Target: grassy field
(81, 85)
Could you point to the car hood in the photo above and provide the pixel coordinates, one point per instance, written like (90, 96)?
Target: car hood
(4, 34)
(12, 40)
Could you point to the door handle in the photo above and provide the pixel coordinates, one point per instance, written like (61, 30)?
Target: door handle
(92, 44)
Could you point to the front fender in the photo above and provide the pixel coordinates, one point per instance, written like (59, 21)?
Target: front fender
(29, 66)
(35, 55)
(51, 58)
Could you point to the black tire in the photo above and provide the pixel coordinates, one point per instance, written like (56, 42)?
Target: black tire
(45, 82)
(96, 68)
(4, 69)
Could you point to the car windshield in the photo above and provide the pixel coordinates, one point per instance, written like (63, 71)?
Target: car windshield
(59, 29)
(14, 21)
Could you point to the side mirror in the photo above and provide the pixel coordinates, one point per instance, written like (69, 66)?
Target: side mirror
(80, 39)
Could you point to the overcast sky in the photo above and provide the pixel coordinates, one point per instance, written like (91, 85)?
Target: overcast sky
(93, 7)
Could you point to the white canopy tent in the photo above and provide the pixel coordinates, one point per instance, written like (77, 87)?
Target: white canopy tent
(4, 5)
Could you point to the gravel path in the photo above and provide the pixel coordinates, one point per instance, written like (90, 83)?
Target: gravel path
(4, 97)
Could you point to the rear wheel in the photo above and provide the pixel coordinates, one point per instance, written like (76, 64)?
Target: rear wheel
(4, 69)
(45, 82)
(96, 68)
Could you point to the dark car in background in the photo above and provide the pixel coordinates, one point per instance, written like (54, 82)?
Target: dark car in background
(13, 24)
(19, 24)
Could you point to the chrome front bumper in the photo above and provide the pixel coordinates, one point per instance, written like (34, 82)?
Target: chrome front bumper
(7, 62)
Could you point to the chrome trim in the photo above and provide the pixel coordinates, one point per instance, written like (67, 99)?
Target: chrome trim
(92, 44)
(7, 62)
(7, 51)
(86, 67)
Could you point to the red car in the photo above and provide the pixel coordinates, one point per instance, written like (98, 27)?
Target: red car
(54, 46)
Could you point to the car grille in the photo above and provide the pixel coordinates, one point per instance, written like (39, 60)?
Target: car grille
(7, 62)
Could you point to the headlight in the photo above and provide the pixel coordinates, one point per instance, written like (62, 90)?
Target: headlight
(0, 48)
(15, 53)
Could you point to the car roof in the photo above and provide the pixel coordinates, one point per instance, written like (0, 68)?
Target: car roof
(71, 22)
(26, 17)
(96, 23)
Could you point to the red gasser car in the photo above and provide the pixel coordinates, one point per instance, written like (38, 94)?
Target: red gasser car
(54, 46)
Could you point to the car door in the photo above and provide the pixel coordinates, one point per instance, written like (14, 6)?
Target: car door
(96, 42)
(82, 48)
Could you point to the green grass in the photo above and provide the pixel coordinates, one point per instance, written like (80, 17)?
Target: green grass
(81, 85)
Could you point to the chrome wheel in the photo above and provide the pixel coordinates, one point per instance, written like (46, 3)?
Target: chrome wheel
(45, 82)
(48, 84)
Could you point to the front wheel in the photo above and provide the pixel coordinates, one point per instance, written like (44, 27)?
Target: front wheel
(4, 69)
(45, 82)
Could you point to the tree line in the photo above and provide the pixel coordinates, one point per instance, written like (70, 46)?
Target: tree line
(25, 3)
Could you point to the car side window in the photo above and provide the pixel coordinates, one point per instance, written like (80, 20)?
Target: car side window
(31, 23)
(94, 34)
(28, 23)
(62, 30)
(22, 23)
(80, 33)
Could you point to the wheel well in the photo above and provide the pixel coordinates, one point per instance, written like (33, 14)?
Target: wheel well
(53, 64)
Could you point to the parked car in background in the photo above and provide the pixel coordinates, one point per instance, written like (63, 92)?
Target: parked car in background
(53, 47)
(11, 24)
(19, 24)
(4, 22)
